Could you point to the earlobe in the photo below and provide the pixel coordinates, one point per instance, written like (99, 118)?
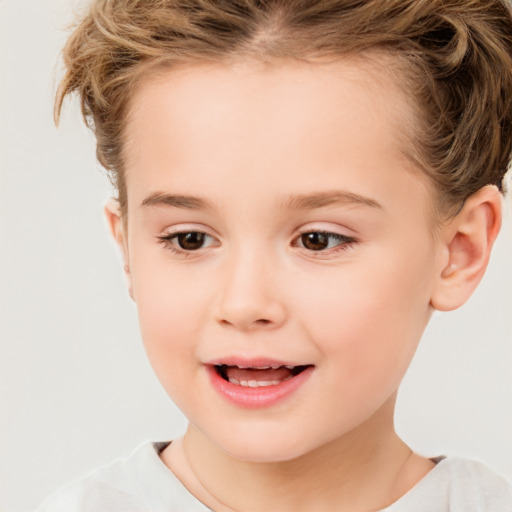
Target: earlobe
(467, 242)
(115, 223)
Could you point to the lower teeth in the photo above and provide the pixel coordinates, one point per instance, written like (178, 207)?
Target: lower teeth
(257, 383)
(222, 370)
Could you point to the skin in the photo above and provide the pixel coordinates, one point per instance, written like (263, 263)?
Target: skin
(243, 138)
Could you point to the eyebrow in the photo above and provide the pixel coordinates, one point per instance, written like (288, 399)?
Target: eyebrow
(177, 201)
(294, 202)
(329, 198)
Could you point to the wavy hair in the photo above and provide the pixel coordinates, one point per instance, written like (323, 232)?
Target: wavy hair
(455, 58)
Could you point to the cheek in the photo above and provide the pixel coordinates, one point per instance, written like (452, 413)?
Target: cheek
(369, 319)
(170, 312)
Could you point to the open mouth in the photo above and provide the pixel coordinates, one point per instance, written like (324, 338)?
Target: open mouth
(264, 376)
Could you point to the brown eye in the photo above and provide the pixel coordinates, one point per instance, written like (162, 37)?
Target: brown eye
(315, 241)
(324, 241)
(190, 241)
(185, 242)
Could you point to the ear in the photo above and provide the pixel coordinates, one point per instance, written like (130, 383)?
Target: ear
(115, 223)
(466, 243)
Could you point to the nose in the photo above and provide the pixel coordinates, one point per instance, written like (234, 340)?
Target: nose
(249, 297)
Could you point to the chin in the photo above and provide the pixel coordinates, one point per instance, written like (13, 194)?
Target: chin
(270, 446)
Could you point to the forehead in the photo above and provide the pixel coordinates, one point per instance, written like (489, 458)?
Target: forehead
(267, 123)
(250, 90)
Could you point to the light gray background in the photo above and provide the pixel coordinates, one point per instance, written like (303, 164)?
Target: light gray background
(76, 390)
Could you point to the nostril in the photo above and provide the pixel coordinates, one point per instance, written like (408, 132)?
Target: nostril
(261, 322)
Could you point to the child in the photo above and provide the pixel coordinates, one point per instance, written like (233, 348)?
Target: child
(300, 185)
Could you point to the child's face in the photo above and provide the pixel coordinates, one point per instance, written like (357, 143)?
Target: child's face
(309, 244)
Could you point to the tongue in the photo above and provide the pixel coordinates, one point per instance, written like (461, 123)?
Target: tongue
(247, 374)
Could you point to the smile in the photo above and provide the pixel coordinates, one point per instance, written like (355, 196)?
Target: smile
(258, 385)
(260, 376)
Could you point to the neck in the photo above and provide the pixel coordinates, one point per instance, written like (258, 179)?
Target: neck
(362, 470)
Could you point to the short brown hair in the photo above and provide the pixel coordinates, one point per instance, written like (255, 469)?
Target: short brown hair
(456, 56)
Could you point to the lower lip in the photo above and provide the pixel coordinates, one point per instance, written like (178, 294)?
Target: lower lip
(264, 396)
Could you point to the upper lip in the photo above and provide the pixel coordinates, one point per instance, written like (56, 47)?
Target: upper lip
(257, 362)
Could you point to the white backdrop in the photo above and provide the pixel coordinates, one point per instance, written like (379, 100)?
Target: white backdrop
(76, 390)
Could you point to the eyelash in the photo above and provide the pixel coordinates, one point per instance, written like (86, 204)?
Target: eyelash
(167, 242)
(344, 242)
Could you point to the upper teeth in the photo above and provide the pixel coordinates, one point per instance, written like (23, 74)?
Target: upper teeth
(256, 383)
(265, 367)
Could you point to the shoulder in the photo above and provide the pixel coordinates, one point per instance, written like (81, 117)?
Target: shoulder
(457, 485)
(475, 480)
(106, 488)
(139, 482)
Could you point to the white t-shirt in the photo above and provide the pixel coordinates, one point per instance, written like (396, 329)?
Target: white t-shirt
(142, 483)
